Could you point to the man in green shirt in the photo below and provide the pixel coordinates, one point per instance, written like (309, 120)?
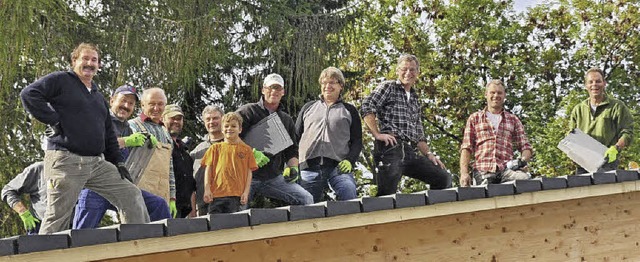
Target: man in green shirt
(604, 118)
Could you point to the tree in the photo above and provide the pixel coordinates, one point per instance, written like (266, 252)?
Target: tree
(200, 52)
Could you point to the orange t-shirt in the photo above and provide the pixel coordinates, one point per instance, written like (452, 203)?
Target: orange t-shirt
(230, 165)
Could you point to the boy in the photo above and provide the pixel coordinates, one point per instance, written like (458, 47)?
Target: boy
(229, 164)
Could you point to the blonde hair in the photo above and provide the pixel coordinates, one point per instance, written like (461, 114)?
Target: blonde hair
(495, 82)
(332, 72)
(594, 69)
(231, 116)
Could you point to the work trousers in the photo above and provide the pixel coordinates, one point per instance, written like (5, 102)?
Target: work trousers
(67, 173)
(395, 160)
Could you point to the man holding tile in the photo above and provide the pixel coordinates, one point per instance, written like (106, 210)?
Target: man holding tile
(604, 118)
(492, 134)
(91, 207)
(269, 179)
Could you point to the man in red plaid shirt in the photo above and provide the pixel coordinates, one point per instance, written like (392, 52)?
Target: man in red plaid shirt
(492, 134)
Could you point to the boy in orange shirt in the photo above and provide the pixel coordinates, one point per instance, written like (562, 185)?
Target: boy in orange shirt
(228, 170)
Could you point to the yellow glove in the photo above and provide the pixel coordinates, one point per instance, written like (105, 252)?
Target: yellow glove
(172, 208)
(345, 166)
(28, 220)
(134, 140)
(611, 154)
(291, 174)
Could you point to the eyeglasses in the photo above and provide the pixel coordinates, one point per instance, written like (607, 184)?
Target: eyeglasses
(329, 83)
(274, 87)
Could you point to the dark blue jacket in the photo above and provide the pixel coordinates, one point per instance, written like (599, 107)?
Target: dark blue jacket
(122, 129)
(251, 115)
(61, 97)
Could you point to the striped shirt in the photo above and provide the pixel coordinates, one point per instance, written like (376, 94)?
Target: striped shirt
(163, 136)
(396, 114)
(493, 149)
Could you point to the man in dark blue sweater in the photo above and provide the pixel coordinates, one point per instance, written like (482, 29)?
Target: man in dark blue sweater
(81, 149)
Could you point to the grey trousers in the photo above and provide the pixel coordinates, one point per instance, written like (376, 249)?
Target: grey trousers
(67, 173)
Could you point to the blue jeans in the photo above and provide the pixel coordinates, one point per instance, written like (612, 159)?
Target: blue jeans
(394, 161)
(316, 179)
(91, 208)
(277, 188)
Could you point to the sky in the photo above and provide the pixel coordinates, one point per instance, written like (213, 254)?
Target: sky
(522, 5)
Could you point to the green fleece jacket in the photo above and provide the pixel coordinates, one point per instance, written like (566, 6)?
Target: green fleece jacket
(611, 121)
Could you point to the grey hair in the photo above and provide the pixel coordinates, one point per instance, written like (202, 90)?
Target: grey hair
(150, 90)
(408, 58)
(210, 109)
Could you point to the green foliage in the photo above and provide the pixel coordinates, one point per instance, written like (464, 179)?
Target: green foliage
(540, 54)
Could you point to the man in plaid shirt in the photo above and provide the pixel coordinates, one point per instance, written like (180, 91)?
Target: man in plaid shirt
(492, 134)
(393, 116)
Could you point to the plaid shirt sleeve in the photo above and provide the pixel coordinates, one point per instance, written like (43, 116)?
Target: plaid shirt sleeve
(395, 113)
(469, 137)
(374, 101)
(519, 137)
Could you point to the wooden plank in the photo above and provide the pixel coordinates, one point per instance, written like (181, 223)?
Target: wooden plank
(567, 230)
(377, 230)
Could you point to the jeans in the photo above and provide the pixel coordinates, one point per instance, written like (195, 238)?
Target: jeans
(228, 204)
(67, 173)
(394, 161)
(316, 179)
(506, 175)
(277, 188)
(91, 208)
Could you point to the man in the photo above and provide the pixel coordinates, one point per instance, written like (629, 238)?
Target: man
(330, 135)
(182, 162)
(269, 179)
(82, 149)
(153, 103)
(29, 182)
(492, 134)
(91, 207)
(604, 118)
(211, 116)
(393, 116)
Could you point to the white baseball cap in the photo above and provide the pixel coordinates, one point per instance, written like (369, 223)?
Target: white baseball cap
(273, 79)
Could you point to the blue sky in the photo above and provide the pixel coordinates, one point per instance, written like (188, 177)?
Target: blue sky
(521, 5)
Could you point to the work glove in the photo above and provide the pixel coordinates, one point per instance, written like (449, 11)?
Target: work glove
(611, 154)
(291, 174)
(261, 159)
(135, 140)
(124, 173)
(53, 130)
(153, 139)
(516, 164)
(345, 166)
(28, 220)
(172, 208)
